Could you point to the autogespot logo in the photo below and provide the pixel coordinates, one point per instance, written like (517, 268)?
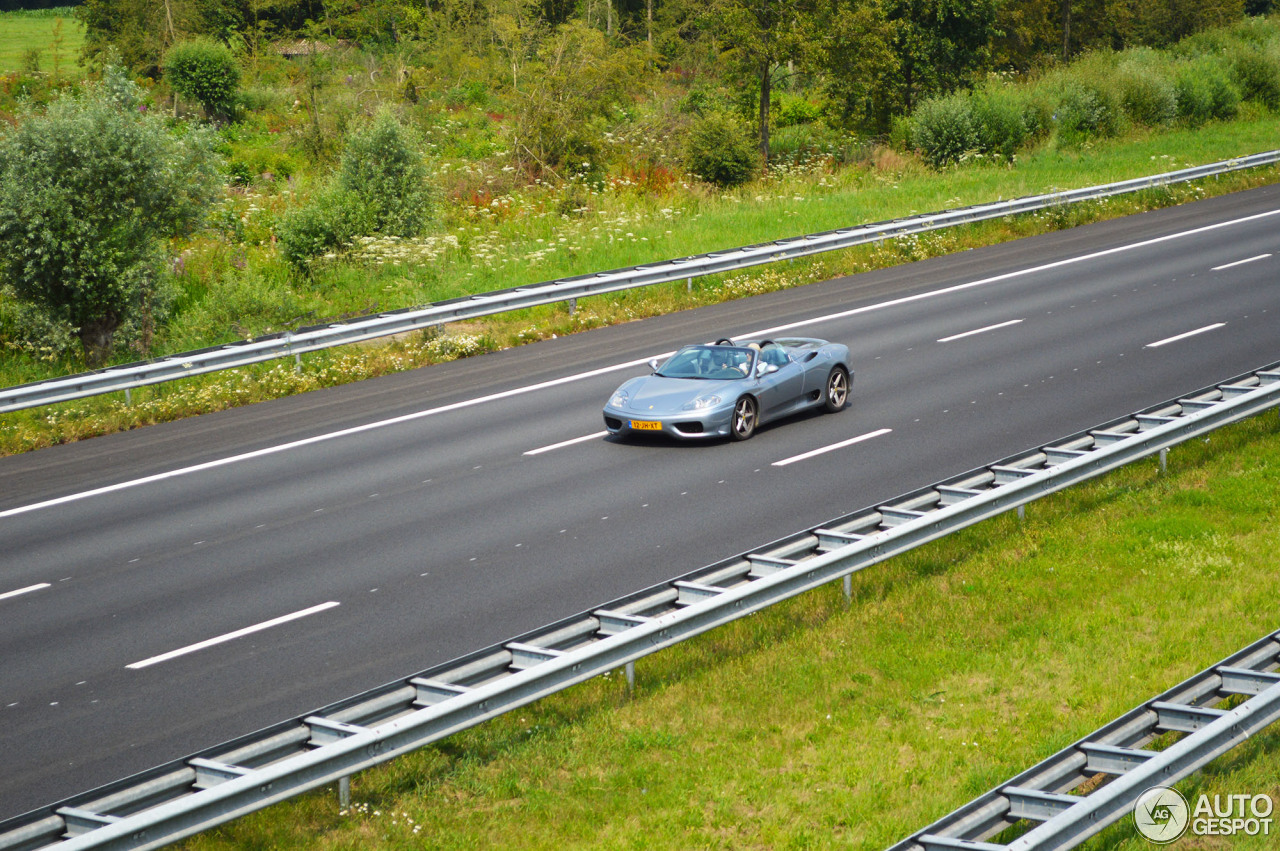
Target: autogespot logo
(1161, 814)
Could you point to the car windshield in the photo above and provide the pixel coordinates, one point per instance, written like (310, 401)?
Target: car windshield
(709, 362)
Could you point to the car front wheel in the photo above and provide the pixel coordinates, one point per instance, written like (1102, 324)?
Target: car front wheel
(744, 419)
(837, 389)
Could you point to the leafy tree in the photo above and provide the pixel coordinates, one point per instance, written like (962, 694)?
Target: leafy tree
(940, 44)
(1029, 34)
(760, 37)
(1119, 24)
(570, 95)
(142, 30)
(856, 58)
(88, 192)
(515, 31)
(137, 30)
(205, 71)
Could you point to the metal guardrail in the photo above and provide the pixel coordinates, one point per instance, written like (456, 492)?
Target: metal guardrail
(263, 349)
(1117, 750)
(222, 783)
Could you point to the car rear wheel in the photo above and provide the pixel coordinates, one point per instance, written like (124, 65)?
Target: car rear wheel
(837, 392)
(744, 419)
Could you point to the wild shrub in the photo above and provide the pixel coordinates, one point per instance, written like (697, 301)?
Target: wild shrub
(580, 86)
(1000, 120)
(381, 188)
(944, 131)
(720, 150)
(469, 93)
(329, 224)
(1206, 92)
(383, 166)
(1256, 71)
(792, 110)
(1037, 114)
(1148, 96)
(1088, 109)
(206, 72)
(249, 165)
(35, 332)
(800, 144)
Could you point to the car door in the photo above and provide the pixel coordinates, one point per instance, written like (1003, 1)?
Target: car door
(780, 387)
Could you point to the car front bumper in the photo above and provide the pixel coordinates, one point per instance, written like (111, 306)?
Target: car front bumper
(685, 425)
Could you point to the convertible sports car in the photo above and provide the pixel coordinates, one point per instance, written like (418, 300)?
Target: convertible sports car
(728, 388)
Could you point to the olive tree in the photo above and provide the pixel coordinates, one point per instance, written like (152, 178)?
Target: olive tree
(89, 191)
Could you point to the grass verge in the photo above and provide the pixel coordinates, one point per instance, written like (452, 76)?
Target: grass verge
(821, 725)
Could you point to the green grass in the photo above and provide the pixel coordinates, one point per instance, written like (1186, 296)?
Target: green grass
(24, 32)
(820, 725)
(531, 239)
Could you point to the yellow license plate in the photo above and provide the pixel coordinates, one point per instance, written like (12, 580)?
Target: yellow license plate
(645, 425)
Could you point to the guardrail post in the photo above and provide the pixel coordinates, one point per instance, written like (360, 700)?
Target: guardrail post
(128, 397)
(344, 792)
(573, 306)
(1164, 460)
(848, 589)
(631, 678)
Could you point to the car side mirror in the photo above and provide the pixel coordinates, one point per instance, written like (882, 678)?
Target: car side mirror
(653, 364)
(764, 369)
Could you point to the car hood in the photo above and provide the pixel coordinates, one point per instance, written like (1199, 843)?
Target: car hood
(660, 394)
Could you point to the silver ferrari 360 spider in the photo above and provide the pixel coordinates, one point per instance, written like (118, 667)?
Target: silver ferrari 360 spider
(728, 388)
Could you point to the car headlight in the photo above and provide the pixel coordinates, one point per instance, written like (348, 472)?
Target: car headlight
(620, 399)
(702, 403)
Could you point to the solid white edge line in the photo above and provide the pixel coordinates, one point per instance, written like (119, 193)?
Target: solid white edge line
(841, 445)
(1168, 340)
(230, 636)
(26, 590)
(564, 443)
(518, 391)
(980, 331)
(1239, 262)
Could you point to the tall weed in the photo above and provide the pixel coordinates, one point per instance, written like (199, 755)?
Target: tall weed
(243, 303)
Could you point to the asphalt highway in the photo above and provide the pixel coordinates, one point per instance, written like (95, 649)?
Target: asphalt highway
(169, 588)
